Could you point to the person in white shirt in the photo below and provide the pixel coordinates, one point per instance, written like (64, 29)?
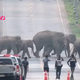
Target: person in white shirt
(58, 66)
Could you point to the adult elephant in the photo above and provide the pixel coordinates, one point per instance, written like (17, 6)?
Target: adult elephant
(68, 38)
(45, 38)
(25, 44)
(10, 42)
(76, 47)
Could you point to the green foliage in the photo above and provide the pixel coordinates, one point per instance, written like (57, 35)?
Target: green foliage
(72, 18)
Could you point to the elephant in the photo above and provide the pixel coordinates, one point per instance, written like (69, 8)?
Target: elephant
(10, 42)
(44, 38)
(76, 47)
(68, 38)
(25, 44)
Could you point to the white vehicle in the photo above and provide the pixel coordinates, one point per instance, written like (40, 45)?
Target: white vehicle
(8, 69)
(18, 64)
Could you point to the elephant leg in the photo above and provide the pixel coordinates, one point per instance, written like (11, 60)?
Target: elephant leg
(8, 51)
(14, 49)
(68, 50)
(65, 52)
(38, 48)
(53, 53)
(57, 48)
(45, 49)
(36, 54)
(27, 51)
(74, 51)
(49, 51)
(23, 54)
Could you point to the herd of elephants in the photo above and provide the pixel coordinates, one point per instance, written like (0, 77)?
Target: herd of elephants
(49, 40)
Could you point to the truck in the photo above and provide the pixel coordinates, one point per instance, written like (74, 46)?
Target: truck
(8, 69)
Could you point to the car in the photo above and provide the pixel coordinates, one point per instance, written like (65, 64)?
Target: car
(19, 66)
(7, 69)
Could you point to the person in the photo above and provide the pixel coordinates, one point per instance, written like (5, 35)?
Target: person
(46, 66)
(26, 66)
(72, 63)
(58, 66)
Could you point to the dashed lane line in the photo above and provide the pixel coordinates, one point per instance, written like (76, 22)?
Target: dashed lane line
(61, 17)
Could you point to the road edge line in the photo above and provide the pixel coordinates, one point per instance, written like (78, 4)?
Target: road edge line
(64, 28)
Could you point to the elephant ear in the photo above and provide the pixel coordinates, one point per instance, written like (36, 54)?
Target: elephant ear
(71, 38)
(18, 41)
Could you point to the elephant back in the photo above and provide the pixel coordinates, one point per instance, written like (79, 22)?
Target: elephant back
(43, 37)
(46, 37)
(11, 39)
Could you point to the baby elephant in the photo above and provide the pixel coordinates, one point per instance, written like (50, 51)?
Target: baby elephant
(24, 47)
(25, 44)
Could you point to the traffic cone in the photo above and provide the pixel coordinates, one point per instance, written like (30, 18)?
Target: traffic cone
(68, 75)
(20, 78)
(45, 76)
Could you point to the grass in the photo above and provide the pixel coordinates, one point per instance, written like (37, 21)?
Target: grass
(74, 28)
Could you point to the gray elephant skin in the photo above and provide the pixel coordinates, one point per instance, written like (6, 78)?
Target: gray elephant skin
(68, 38)
(9, 42)
(45, 38)
(76, 47)
(24, 45)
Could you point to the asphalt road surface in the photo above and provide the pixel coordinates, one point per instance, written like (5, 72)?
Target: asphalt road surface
(26, 18)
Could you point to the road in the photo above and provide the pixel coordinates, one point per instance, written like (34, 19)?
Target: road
(26, 18)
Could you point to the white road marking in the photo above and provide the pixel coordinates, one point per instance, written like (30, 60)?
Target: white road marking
(61, 17)
(64, 28)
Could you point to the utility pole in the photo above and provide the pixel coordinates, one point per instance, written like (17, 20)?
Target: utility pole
(76, 11)
(74, 6)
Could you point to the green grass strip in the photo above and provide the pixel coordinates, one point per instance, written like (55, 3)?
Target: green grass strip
(72, 18)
